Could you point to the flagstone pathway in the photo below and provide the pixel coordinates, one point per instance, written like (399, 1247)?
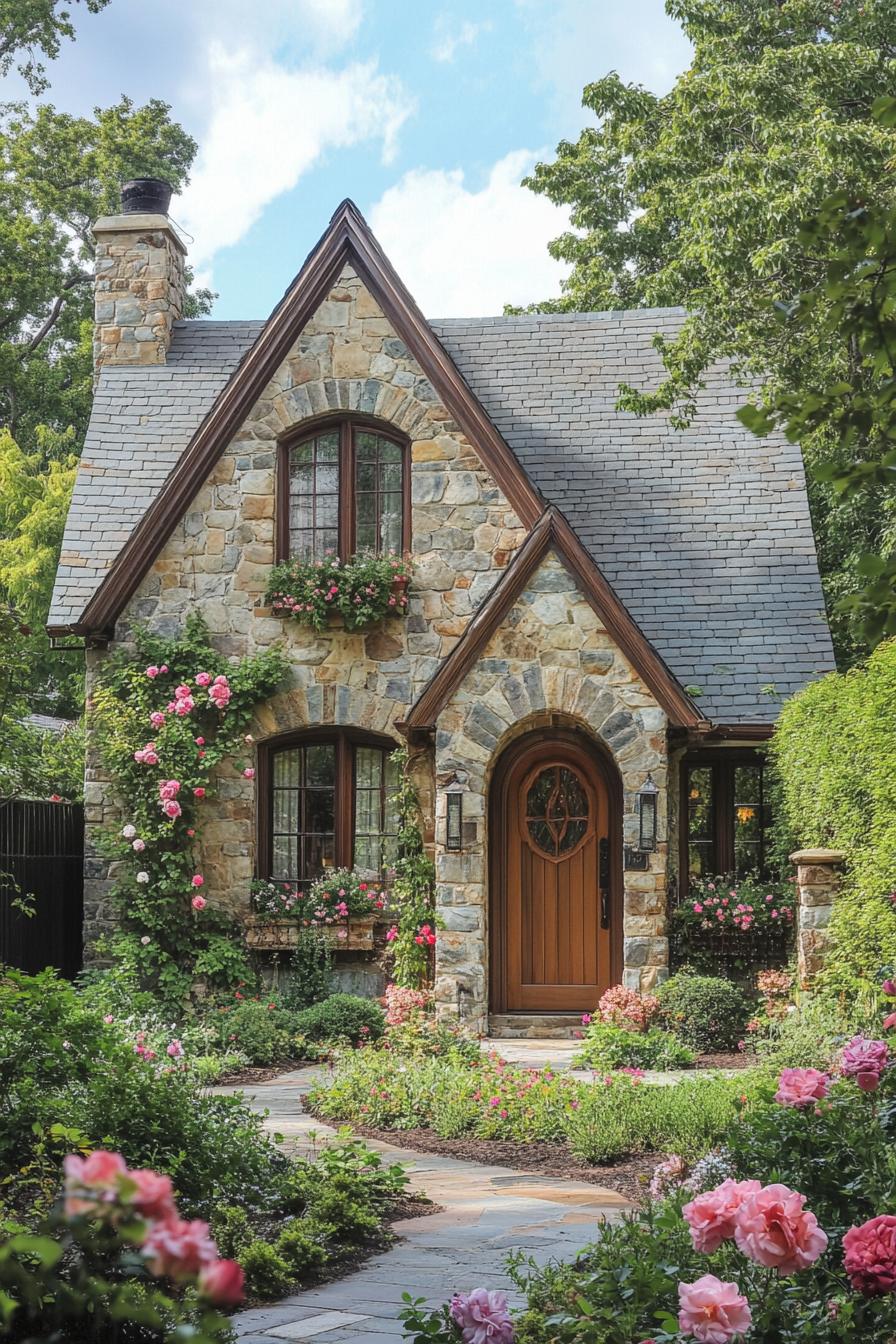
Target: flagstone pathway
(486, 1212)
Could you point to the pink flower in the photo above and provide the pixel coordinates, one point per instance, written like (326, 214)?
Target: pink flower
(169, 788)
(184, 706)
(197, 880)
(392, 934)
(200, 741)
(249, 772)
(698, 908)
(203, 678)
(174, 1049)
(222, 1282)
(172, 809)
(154, 1197)
(108, 1019)
(802, 1087)
(865, 1061)
(93, 1183)
(157, 719)
(138, 846)
(129, 832)
(143, 878)
(773, 1228)
(586, 1019)
(711, 1216)
(152, 672)
(889, 988)
(712, 1311)
(199, 902)
(889, 1023)
(182, 692)
(482, 1317)
(199, 792)
(145, 940)
(869, 1256)
(176, 1249)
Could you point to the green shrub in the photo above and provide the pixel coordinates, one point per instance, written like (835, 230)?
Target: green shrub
(810, 1035)
(705, 1012)
(259, 1029)
(268, 1275)
(301, 1248)
(231, 1229)
(606, 1047)
(342, 1017)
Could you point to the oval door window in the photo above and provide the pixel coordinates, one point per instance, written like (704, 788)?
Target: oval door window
(557, 811)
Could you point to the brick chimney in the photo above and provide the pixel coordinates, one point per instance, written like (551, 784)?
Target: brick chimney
(139, 290)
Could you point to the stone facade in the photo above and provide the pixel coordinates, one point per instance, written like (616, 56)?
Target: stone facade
(139, 290)
(817, 884)
(551, 656)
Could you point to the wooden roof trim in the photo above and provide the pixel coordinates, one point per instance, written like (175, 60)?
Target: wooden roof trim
(347, 240)
(551, 531)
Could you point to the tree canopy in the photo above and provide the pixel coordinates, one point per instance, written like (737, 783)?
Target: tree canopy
(30, 29)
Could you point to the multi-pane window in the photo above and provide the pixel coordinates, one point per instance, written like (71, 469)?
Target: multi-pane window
(344, 490)
(724, 815)
(327, 802)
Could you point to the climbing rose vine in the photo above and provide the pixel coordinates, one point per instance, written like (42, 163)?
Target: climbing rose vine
(171, 719)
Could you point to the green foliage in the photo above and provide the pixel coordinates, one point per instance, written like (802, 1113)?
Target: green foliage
(698, 198)
(342, 1017)
(268, 1274)
(733, 926)
(606, 1048)
(363, 590)
(812, 1034)
(835, 753)
(33, 763)
(705, 1012)
(413, 887)
(310, 977)
(261, 1030)
(33, 28)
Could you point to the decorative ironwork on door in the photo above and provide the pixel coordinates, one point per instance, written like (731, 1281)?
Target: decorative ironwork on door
(557, 812)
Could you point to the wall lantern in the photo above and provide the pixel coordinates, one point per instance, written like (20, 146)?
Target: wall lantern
(454, 820)
(647, 804)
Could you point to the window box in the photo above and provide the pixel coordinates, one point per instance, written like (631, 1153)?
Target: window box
(355, 594)
(282, 935)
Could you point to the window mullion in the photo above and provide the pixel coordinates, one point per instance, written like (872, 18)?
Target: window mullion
(346, 490)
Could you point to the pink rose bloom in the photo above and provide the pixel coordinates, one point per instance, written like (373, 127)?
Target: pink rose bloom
(889, 988)
(249, 772)
(200, 741)
(176, 1249)
(199, 792)
(154, 1197)
(169, 788)
(181, 692)
(889, 1022)
(711, 1216)
(801, 1087)
(222, 1282)
(171, 808)
(183, 707)
(108, 1019)
(174, 1050)
(138, 846)
(152, 672)
(93, 1183)
(773, 1228)
(712, 1311)
(865, 1061)
(157, 719)
(199, 902)
(391, 934)
(482, 1317)
(203, 678)
(197, 880)
(869, 1256)
(129, 832)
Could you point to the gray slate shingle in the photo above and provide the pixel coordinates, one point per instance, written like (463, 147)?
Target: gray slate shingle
(705, 533)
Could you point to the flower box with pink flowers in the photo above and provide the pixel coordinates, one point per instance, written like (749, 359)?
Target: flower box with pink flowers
(355, 593)
(282, 935)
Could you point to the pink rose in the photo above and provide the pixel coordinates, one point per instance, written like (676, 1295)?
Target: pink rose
(222, 1282)
(391, 934)
(203, 678)
(157, 719)
(169, 788)
(129, 831)
(889, 988)
(199, 792)
(197, 880)
(93, 1183)
(183, 707)
(199, 902)
(801, 1087)
(181, 692)
(174, 1050)
(889, 1023)
(869, 1256)
(712, 1311)
(176, 1249)
(865, 1061)
(200, 741)
(249, 772)
(152, 672)
(171, 808)
(711, 1216)
(482, 1317)
(138, 846)
(773, 1228)
(108, 1019)
(154, 1197)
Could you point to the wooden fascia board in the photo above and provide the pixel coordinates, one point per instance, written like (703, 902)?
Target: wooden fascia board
(347, 240)
(552, 531)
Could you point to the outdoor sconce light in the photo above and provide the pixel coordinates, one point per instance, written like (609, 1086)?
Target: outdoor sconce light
(454, 822)
(647, 802)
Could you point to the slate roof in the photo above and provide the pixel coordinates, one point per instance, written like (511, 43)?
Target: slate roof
(704, 534)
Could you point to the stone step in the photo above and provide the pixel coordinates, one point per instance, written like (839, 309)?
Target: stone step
(534, 1026)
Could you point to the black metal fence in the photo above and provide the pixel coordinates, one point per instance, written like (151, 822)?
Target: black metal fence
(41, 868)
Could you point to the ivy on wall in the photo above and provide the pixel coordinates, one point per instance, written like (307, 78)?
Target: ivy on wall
(170, 718)
(835, 755)
(413, 935)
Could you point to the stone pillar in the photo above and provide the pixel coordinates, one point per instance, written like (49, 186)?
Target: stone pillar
(817, 884)
(139, 292)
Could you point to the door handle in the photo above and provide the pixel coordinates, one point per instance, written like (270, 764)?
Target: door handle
(604, 881)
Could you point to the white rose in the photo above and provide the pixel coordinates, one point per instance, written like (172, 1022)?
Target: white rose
(143, 877)
(129, 832)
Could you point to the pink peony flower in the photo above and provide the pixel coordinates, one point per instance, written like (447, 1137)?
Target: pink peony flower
(174, 1049)
(197, 880)
(93, 1183)
(176, 1249)
(865, 1061)
(199, 902)
(712, 1311)
(203, 678)
(711, 1216)
(222, 1282)
(138, 846)
(869, 1256)
(802, 1087)
(773, 1228)
(154, 1197)
(169, 788)
(482, 1317)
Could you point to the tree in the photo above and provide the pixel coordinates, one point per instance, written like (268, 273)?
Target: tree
(698, 198)
(31, 26)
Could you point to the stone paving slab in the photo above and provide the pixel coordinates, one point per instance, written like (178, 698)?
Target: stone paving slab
(486, 1211)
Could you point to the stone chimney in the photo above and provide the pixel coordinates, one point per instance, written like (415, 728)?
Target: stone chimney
(139, 291)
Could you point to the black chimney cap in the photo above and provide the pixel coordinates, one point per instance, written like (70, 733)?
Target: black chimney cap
(145, 196)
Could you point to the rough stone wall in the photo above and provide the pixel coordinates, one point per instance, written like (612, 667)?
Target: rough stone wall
(139, 290)
(218, 560)
(550, 657)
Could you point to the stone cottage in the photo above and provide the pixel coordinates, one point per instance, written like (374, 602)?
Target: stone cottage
(603, 618)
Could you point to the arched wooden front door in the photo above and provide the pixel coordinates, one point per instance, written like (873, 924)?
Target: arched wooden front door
(552, 877)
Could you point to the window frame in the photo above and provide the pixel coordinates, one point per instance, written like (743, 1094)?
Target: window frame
(724, 763)
(345, 741)
(348, 426)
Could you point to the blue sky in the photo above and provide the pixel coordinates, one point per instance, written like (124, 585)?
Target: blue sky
(426, 114)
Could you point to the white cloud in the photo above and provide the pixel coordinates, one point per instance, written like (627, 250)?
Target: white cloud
(466, 253)
(449, 39)
(268, 125)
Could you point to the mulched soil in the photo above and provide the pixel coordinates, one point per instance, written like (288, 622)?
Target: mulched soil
(260, 1074)
(629, 1177)
(739, 1060)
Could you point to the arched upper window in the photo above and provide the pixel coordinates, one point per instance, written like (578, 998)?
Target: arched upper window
(326, 800)
(343, 487)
